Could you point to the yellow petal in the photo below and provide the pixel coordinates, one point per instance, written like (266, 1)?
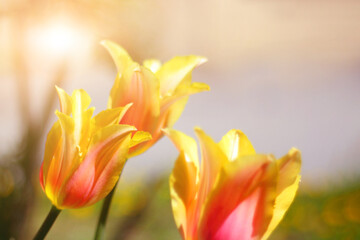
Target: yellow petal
(184, 181)
(112, 130)
(139, 137)
(289, 166)
(183, 189)
(82, 117)
(175, 110)
(51, 145)
(126, 68)
(183, 91)
(288, 183)
(235, 144)
(153, 64)
(212, 160)
(69, 159)
(173, 72)
(65, 101)
(120, 56)
(110, 116)
(175, 103)
(185, 144)
(80, 101)
(66, 123)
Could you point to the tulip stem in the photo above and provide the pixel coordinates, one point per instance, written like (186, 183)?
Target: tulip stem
(49, 221)
(100, 229)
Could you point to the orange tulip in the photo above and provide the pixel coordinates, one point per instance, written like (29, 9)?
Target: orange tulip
(84, 155)
(235, 194)
(158, 92)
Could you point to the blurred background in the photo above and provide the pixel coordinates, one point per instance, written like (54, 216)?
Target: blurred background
(285, 72)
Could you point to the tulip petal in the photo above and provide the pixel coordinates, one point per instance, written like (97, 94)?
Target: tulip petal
(173, 72)
(181, 92)
(80, 101)
(110, 131)
(185, 144)
(240, 207)
(97, 174)
(288, 183)
(65, 101)
(110, 116)
(153, 64)
(183, 189)
(120, 94)
(51, 147)
(171, 109)
(81, 118)
(67, 128)
(174, 105)
(66, 158)
(143, 92)
(139, 137)
(212, 159)
(289, 167)
(184, 181)
(235, 144)
(120, 56)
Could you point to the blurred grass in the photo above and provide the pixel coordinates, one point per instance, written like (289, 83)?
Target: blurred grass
(330, 213)
(141, 210)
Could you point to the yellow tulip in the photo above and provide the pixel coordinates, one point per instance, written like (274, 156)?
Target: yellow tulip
(84, 155)
(235, 194)
(158, 92)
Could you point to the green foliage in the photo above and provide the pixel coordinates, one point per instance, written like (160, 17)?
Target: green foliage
(330, 214)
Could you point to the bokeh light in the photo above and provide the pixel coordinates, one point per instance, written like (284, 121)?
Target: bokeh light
(59, 38)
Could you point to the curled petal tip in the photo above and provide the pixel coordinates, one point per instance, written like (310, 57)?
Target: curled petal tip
(127, 106)
(105, 42)
(295, 154)
(202, 60)
(60, 91)
(205, 87)
(295, 151)
(198, 129)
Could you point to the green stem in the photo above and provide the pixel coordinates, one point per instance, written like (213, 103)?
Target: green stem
(100, 229)
(45, 227)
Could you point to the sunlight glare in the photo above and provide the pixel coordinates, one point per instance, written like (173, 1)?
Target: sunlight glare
(59, 39)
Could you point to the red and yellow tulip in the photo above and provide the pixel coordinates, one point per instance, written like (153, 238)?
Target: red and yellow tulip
(84, 155)
(158, 92)
(234, 193)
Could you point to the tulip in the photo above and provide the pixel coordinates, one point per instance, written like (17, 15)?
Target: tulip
(84, 155)
(234, 193)
(158, 92)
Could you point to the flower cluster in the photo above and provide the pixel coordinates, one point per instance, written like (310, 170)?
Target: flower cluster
(232, 193)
